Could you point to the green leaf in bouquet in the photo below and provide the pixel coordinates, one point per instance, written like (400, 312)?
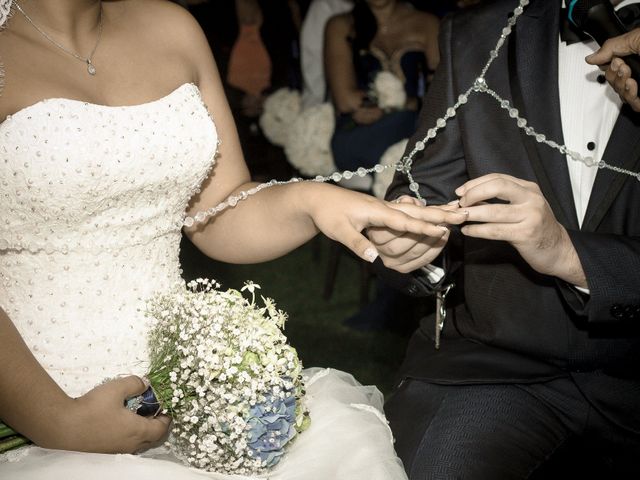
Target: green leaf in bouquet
(13, 442)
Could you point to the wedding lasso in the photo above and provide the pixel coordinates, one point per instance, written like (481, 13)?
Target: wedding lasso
(405, 164)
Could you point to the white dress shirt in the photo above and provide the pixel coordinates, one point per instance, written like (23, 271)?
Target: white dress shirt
(589, 111)
(312, 47)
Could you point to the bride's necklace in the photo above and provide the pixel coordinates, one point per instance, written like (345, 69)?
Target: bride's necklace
(88, 60)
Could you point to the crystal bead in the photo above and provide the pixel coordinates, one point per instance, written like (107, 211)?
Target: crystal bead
(188, 222)
(378, 168)
(540, 138)
(462, 99)
(513, 112)
(361, 172)
(348, 175)
(441, 123)
(414, 187)
(451, 112)
(336, 177)
(420, 145)
(233, 201)
(431, 133)
(522, 122)
(200, 217)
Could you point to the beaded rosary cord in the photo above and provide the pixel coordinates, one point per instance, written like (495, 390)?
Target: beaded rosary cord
(405, 164)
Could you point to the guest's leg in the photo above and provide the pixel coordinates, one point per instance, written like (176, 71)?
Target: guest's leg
(481, 431)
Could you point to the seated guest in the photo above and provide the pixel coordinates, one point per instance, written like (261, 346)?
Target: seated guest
(312, 48)
(376, 36)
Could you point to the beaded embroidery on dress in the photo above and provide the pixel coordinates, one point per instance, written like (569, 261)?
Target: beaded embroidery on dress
(92, 200)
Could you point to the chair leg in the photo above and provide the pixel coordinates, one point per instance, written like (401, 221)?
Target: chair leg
(365, 282)
(332, 269)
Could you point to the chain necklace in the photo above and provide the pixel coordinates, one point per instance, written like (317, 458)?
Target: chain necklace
(91, 69)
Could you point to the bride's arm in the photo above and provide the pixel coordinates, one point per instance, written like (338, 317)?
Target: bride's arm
(279, 219)
(34, 405)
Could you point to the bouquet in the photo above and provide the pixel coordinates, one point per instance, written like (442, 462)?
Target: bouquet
(388, 91)
(280, 110)
(221, 367)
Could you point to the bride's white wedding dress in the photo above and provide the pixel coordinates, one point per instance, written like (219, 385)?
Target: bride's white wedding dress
(92, 200)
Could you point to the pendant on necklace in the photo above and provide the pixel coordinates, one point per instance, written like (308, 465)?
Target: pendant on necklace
(90, 68)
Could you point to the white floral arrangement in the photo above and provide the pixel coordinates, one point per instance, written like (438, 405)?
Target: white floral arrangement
(308, 145)
(280, 110)
(221, 367)
(383, 178)
(388, 91)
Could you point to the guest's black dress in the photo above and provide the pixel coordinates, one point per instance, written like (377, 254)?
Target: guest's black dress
(356, 145)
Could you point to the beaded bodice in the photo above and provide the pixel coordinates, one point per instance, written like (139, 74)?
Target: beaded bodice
(93, 199)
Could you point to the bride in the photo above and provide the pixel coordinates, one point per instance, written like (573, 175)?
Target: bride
(114, 115)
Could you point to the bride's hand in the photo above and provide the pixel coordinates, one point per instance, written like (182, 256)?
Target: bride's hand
(408, 251)
(99, 421)
(343, 215)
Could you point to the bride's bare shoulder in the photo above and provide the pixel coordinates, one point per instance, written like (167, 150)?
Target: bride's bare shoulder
(162, 22)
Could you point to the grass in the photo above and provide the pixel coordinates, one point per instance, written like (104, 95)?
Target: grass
(315, 326)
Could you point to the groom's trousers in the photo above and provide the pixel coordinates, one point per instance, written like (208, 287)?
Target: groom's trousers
(508, 431)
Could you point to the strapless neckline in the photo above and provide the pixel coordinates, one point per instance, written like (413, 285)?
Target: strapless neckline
(60, 100)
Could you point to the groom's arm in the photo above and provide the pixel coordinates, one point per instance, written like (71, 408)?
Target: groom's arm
(439, 169)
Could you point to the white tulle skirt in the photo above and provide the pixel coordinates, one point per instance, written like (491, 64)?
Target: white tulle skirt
(348, 439)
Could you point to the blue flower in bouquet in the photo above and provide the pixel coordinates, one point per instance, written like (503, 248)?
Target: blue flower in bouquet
(272, 425)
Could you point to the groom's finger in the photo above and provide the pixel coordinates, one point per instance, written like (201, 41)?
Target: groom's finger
(381, 236)
(410, 263)
(408, 247)
(393, 258)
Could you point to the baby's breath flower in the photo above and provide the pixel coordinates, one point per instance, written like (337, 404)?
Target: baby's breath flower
(223, 370)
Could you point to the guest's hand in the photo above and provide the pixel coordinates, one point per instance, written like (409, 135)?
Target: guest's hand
(526, 222)
(343, 215)
(618, 73)
(366, 115)
(99, 422)
(406, 251)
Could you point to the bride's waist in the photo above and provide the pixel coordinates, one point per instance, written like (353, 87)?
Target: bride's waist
(86, 287)
(89, 238)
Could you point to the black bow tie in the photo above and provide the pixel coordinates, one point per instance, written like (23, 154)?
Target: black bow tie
(629, 15)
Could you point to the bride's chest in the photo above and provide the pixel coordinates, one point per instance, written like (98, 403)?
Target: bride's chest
(63, 157)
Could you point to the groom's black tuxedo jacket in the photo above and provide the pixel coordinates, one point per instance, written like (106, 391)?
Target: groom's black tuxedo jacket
(508, 323)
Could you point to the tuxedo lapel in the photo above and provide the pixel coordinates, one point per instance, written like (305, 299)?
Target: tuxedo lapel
(623, 150)
(533, 69)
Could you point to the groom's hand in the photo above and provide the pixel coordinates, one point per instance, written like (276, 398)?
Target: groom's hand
(526, 221)
(406, 252)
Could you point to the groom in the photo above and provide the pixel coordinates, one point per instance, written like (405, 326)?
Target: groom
(541, 345)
